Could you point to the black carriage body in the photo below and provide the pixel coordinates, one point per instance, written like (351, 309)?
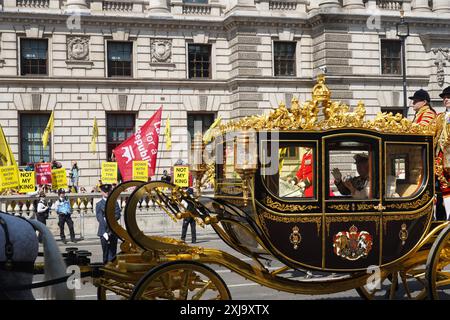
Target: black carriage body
(340, 233)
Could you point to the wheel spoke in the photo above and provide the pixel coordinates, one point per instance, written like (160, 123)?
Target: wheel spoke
(185, 284)
(405, 284)
(200, 293)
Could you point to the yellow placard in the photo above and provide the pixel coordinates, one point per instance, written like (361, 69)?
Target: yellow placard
(109, 172)
(140, 170)
(59, 179)
(181, 176)
(9, 177)
(27, 181)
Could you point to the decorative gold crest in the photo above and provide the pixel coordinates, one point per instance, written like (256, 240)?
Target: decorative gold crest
(295, 238)
(403, 234)
(352, 245)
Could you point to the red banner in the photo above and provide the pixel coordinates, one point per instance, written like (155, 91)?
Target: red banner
(143, 145)
(43, 173)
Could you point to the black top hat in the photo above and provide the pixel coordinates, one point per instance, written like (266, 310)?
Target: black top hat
(444, 93)
(60, 191)
(421, 95)
(361, 157)
(106, 188)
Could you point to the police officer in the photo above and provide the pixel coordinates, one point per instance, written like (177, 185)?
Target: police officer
(189, 221)
(64, 212)
(108, 239)
(42, 211)
(425, 114)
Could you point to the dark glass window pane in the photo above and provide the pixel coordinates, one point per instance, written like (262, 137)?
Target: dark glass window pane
(199, 56)
(284, 58)
(391, 57)
(33, 58)
(120, 126)
(206, 120)
(119, 59)
(31, 128)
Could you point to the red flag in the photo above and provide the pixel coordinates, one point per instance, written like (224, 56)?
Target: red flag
(143, 145)
(43, 173)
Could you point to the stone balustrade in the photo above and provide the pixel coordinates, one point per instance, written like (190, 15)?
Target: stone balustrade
(38, 4)
(282, 5)
(117, 6)
(196, 9)
(394, 5)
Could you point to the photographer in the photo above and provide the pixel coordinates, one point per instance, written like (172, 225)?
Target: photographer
(108, 239)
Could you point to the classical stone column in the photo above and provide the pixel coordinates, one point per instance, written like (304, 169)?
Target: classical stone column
(158, 6)
(353, 4)
(421, 5)
(76, 4)
(329, 3)
(441, 5)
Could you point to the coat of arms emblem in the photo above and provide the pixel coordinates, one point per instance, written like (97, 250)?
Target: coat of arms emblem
(352, 245)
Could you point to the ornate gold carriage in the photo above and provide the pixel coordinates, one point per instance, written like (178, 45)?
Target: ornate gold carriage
(277, 197)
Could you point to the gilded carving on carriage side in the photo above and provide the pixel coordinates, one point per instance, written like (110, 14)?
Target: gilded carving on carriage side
(295, 237)
(352, 245)
(403, 234)
(288, 207)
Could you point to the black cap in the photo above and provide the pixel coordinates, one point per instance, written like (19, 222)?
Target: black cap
(61, 191)
(106, 188)
(421, 95)
(444, 93)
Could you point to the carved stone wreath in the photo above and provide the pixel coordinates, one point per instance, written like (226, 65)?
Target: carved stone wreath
(442, 56)
(78, 48)
(161, 51)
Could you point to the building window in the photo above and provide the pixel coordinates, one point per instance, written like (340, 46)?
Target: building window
(199, 60)
(284, 58)
(34, 55)
(120, 126)
(32, 126)
(390, 57)
(119, 59)
(199, 121)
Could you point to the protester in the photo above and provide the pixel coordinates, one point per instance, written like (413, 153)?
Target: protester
(74, 175)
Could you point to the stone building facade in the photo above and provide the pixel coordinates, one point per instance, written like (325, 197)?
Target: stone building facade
(119, 61)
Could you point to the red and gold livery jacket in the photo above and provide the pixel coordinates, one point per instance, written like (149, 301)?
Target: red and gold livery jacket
(442, 160)
(424, 116)
(305, 173)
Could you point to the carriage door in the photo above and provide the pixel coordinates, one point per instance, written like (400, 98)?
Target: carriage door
(351, 173)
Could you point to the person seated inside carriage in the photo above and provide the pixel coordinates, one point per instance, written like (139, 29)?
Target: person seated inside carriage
(358, 186)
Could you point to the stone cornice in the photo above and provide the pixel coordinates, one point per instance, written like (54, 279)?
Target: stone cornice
(225, 23)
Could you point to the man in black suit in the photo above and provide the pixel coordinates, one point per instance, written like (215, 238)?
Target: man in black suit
(108, 239)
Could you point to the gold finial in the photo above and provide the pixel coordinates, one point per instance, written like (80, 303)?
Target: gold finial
(321, 92)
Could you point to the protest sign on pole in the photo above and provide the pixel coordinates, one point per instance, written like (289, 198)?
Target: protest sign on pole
(27, 181)
(43, 173)
(59, 179)
(109, 172)
(181, 176)
(140, 170)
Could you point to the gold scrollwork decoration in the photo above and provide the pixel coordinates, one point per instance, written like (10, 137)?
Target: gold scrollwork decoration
(364, 206)
(289, 207)
(411, 205)
(407, 217)
(329, 220)
(292, 219)
(295, 237)
(340, 207)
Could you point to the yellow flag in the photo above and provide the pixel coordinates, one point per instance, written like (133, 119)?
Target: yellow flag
(93, 147)
(208, 134)
(47, 131)
(168, 135)
(6, 155)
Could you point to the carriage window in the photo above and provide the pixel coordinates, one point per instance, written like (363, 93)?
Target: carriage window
(295, 176)
(351, 166)
(405, 174)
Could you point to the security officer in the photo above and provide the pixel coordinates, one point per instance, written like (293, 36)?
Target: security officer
(64, 212)
(108, 239)
(189, 221)
(304, 175)
(425, 114)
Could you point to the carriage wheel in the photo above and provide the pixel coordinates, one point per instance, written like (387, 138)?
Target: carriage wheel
(438, 267)
(404, 284)
(181, 280)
